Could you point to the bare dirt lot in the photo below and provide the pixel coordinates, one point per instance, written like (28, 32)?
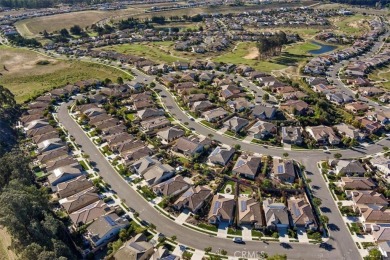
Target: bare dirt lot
(5, 243)
(32, 27)
(21, 72)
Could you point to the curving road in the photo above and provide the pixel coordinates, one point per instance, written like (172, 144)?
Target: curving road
(185, 235)
(343, 247)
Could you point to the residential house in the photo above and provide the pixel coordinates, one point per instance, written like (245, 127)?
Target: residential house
(171, 187)
(52, 165)
(376, 215)
(295, 107)
(221, 209)
(221, 156)
(356, 107)
(276, 215)
(247, 166)
(382, 117)
(240, 104)
(249, 212)
(380, 232)
(370, 126)
(263, 112)
(50, 144)
(200, 106)
(74, 186)
(155, 123)
(292, 135)
(262, 129)
(365, 199)
(137, 248)
(236, 124)
(36, 124)
(158, 173)
(357, 183)
(89, 213)
(170, 134)
(53, 155)
(283, 170)
(382, 164)
(190, 146)
(323, 135)
(193, 199)
(301, 213)
(105, 228)
(348, 167)
(64, 174)
(192, 98)
(350, 131)
(149, 113)
(338, 97)
(215, 114)
(78, 201)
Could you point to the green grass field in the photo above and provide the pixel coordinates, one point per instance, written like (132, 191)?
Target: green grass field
(383, 74)
(302, 48)
(21, 74)
(244, 54)
(351, 24)
(156, 51)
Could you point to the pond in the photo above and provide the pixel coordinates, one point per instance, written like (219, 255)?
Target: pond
(324, 48)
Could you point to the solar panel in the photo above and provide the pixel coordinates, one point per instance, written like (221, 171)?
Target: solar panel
(240, 163)
(280, 169)
(243, 205)
(188, 193)
(216, 151)
(137, 247)
(296, 210)
(216, 207)
(110, 221)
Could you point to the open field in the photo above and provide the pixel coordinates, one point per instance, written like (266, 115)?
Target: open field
(366, 10)
(5, 242)
(156, 51)
(353, 24)
(245, 53)
(32, 27)
(379, 75)
(223, 9)
(25, 78)
(302, 48)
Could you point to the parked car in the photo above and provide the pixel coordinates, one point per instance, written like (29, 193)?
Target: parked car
(238, 240)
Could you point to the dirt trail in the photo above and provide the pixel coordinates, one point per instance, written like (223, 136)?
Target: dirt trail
(253, 54)
(5, 243)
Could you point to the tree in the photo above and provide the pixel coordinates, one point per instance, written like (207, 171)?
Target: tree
(266, 97)
(285, 154)
(374, 254)
(173, 238)
(223, 252)
(76, 30)
(337, 155)
(64, 33)
(208, 249)
(317, 202)
(324, 219)
(119, 80)
(237, 146)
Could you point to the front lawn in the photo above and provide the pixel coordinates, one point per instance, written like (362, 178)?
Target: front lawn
(237, 232)
(84, 165)
(208, 227)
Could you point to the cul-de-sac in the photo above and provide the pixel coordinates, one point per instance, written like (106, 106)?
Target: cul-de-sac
(183, 129)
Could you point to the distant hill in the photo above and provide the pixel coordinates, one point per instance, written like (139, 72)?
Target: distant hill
(362, 2)
(46, 3)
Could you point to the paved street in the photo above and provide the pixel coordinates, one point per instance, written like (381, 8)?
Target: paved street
(340, 239)
(185, 235)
